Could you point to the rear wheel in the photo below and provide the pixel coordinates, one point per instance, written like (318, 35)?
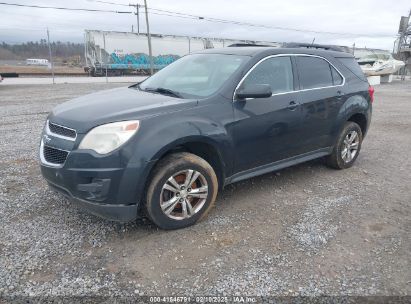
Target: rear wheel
(347, 148)
(182, 190)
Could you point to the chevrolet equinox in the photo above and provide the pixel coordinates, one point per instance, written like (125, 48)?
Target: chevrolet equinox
(164, 147)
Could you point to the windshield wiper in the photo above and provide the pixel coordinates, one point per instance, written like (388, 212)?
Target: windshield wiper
(165, 91)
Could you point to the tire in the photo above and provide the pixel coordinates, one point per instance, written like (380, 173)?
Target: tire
(188, 204)
(336, 159)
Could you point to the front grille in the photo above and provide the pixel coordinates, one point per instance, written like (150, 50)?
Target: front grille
(54, 156)
(63, 131)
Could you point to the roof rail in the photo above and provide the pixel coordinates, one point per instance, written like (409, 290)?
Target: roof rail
(316, 46)
(247, 44)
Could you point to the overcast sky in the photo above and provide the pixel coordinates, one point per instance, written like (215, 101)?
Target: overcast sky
(374, 21)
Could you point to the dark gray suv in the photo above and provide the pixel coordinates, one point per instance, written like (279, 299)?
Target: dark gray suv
(165, 146)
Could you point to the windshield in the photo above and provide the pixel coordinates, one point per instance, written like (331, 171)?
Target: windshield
(197, 75)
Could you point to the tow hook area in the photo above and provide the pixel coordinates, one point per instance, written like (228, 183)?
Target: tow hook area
(97, 190)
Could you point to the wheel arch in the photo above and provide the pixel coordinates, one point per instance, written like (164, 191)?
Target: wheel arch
(356, 109)
(203, 147)
(361, 120)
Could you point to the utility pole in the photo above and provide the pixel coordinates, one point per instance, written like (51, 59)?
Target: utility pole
(138, 18)
(50, 57)
(137, 6)
(150, 53)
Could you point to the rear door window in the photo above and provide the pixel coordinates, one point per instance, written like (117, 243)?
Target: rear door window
(276, 72)
(314, 72)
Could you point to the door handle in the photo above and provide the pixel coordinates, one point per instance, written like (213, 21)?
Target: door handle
(292, 105)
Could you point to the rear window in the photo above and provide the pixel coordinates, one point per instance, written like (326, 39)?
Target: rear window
(314, 72)
(353, 66)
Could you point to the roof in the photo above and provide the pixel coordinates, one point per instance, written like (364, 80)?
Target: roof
(257, 50)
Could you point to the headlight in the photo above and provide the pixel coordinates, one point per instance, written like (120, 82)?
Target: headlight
(106, 138)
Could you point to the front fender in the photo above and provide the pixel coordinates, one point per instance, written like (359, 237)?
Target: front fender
(208, 123)
(158, 135)
(170, 133)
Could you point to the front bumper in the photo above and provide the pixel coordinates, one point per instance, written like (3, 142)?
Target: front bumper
(118, 213)
(111, 193)
(110, 186)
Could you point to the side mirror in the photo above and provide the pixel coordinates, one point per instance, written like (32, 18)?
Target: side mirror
(254, 91)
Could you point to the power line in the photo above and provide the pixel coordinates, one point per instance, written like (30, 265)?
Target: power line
(217, 20)
(107, 2)
(174, 14)
(210, 19)
(169, 13)
(65, 8)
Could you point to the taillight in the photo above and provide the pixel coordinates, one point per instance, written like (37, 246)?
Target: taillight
(371, 93)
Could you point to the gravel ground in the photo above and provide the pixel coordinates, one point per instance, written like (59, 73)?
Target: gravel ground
(306, 230)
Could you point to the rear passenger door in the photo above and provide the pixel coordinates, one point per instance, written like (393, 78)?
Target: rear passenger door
(267, 129)
(321, 89)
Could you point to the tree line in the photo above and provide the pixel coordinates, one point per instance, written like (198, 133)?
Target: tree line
(39, 49)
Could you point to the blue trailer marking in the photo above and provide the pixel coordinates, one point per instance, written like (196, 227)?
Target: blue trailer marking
(141, 61)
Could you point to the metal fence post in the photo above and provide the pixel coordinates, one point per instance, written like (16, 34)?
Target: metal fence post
(150, 53)
(51, 57)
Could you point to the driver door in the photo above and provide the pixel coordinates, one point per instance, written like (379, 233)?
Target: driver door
(267, 130)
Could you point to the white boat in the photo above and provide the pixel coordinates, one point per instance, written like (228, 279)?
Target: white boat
(379, 64)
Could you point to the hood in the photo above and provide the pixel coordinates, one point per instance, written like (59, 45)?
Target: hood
(88, 111)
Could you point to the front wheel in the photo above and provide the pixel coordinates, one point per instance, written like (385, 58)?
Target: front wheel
(182, 190)
(347, 147)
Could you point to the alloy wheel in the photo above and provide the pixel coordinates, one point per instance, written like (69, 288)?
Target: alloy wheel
(183, 194)
(350, 146)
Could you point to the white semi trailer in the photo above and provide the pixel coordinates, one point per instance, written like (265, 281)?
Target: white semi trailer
(118, 53)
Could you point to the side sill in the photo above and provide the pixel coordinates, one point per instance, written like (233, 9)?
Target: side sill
(278, 165)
